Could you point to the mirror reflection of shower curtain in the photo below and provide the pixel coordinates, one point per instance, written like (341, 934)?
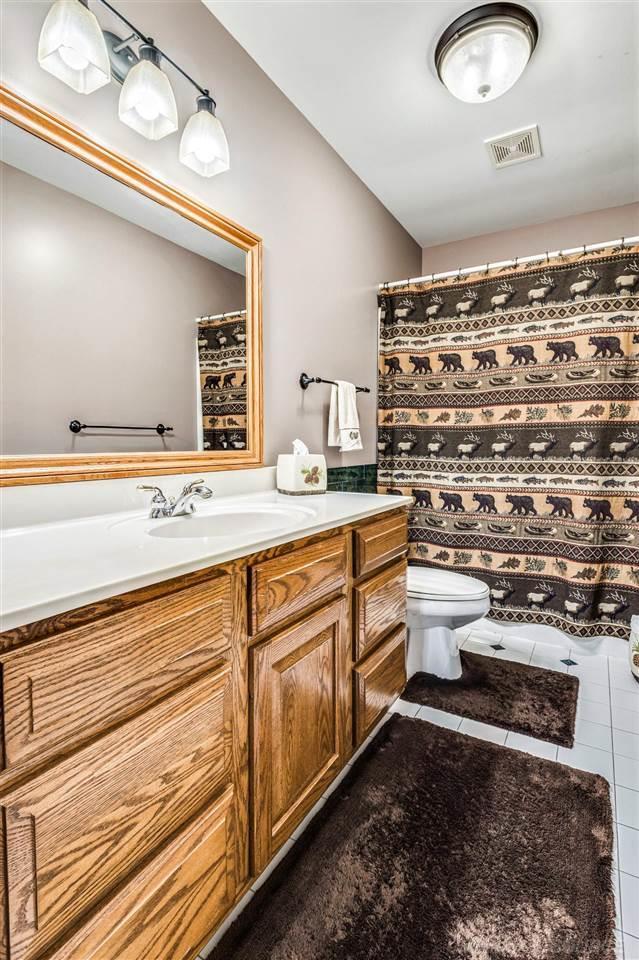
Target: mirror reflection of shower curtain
(221, 347)
(509, 408)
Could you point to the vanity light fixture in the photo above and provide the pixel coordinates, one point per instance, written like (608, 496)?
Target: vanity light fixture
(204, 147)
(72, 46)
(147, 102)
(485, 51)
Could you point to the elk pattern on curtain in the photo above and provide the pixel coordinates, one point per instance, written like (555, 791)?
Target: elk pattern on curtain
(222, 366)
(509, 409)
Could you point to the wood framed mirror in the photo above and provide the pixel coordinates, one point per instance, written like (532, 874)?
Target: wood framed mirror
(131, 316)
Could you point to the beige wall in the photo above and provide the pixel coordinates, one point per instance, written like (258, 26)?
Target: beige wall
(97, 324)
(559, 234)
(328, 241)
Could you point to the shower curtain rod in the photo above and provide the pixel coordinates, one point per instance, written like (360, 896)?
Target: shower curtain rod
(461, 272)
(221, 316)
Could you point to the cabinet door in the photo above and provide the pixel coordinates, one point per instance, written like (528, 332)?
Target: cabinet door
(380, 605)
(75, 832)
(301, 722)
(379, 680)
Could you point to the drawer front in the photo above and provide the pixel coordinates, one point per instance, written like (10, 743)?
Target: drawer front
(173, 904)
(379, 680)
(63, 690)
(379, 542)
(285, 585)
(82, 827)
(380, 604)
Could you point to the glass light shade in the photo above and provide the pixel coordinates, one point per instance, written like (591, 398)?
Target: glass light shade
(72, 47)
(485, 62)
(204, 147)
(147, 103)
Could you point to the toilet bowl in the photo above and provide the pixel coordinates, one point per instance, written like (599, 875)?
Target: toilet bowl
(439, 602)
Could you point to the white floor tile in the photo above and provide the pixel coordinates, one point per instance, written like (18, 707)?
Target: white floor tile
(219, 933)
(518, 643)
(405, 708)
(484, 731)
(538, 748)
(615, 884)
(630, 903)
(518, 656)
(439, 717)
(274, 862)
(626, 744)
(631, 947)
(552, 651)
(628, 849)
(594, 692)
(462, 633)
(478, 646)
(488, 636)
(627, 772)
(587, 758)
(595, 712)
(547, 662)
(627, 806)
(621, 677)
(625, 719)
(593, 668)
(619, 945)
(593, 734)
(625, 699)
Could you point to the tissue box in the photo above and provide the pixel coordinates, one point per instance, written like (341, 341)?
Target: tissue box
(301, 473)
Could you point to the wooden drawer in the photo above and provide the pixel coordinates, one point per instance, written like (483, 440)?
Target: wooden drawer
(288, 584)
(61, 691)
(380, 604)
(379, 680)
(172, 904)
(301, 700)
(77, 831)
(379, 542)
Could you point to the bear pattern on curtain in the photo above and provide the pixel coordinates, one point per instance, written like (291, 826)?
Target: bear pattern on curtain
(509, 408)
(222, 368)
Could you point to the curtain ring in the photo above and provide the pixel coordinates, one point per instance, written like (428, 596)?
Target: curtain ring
(487, 268)
(623, 243)
(458, 274)
(547, 257)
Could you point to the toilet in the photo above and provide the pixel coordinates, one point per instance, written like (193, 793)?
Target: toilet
(439, 602)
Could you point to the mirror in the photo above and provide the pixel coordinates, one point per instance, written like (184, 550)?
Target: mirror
(130, 328)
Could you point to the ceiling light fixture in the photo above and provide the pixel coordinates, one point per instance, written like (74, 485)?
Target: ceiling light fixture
(203, 146)
(485, 51)
(74, 48)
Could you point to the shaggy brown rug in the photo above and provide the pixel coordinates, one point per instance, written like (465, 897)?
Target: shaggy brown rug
(439, 846)
(532, 700)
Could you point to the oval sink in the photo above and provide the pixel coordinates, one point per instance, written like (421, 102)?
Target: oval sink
(231, 522)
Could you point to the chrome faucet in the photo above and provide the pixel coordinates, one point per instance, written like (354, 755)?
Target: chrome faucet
(183, 506)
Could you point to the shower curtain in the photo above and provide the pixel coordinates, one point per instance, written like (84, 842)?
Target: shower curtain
(222, 373)
(509, 409)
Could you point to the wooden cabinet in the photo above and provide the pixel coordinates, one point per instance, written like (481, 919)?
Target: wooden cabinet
(130, 790)
(379, 680)
(301, 693)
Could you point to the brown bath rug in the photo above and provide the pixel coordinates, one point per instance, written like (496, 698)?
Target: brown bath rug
(541, 703)
(439, 846)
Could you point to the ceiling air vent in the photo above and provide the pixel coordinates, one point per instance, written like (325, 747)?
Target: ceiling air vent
(515, 147)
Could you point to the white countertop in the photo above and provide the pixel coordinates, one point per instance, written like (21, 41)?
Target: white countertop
(49, 568)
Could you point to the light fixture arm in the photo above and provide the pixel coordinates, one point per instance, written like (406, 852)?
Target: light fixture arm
(149, 41)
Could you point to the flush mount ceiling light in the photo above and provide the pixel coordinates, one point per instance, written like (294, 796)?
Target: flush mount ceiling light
(485, 51)
(72, 47)
(147, 102)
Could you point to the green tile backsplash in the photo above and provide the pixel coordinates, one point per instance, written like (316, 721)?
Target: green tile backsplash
(358, 479)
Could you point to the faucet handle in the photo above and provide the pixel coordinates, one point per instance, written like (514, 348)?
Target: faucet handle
(197, 486)
(158, 496)
(159, 504)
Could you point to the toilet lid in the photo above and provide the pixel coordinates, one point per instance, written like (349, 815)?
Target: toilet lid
(434, 584)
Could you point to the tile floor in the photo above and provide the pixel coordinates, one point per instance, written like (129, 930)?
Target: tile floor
(606, 742)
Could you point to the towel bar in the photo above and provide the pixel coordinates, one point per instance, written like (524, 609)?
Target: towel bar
(305, 382)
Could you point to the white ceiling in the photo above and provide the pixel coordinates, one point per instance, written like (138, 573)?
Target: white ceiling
(362, 73)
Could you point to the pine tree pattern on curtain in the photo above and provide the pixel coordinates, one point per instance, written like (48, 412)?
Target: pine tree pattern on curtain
(509, 408)
(222, 366)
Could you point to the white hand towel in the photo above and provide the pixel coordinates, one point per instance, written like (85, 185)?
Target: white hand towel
(343, 420)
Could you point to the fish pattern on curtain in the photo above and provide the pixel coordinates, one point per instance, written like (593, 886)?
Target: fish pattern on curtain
(509, 408)
(222, 369)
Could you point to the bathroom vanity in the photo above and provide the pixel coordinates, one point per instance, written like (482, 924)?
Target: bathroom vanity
(160, 745)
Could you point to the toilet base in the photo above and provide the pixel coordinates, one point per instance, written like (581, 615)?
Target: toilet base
(434, 650)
